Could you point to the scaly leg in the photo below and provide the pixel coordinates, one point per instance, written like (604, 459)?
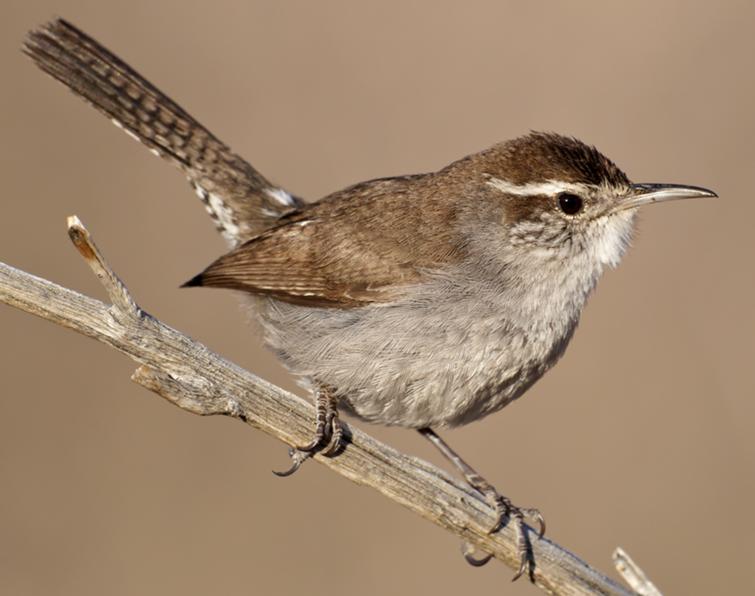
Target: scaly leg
(328, 432)
(503, 506)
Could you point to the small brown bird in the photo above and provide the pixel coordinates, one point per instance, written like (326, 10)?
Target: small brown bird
(416, 301)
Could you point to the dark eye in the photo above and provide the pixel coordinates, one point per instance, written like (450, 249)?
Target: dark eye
(569, 203)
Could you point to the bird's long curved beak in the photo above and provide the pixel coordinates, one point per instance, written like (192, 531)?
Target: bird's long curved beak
(644, 194)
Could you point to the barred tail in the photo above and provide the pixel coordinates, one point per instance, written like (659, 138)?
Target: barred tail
(240, 200)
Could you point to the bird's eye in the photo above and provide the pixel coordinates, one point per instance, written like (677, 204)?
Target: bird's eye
(569, 203)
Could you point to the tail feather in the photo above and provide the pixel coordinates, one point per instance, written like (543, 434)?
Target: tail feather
(240, 200)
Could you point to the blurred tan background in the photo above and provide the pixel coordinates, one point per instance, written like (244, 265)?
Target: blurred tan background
(641, 437)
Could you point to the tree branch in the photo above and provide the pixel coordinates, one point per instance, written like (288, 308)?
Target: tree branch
(633, 575)
(189, 375)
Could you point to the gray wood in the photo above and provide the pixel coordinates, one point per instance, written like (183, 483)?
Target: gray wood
(633, 574)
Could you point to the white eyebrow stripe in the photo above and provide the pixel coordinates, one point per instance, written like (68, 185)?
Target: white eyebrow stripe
(549, 188)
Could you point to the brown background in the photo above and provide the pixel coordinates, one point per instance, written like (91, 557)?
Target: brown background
(641, 436)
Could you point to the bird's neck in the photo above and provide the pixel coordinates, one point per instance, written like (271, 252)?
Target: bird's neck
(550, 289)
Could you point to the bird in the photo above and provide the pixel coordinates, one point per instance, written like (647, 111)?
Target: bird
(422, 301)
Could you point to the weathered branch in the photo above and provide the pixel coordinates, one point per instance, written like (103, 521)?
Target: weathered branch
(633, 575)
(192, 377)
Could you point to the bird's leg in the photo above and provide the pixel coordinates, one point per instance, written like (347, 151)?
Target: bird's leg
(328, 431)
(503, 506)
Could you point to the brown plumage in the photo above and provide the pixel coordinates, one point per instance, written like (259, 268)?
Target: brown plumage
(355, 247)
(365, 243)
(114, 88)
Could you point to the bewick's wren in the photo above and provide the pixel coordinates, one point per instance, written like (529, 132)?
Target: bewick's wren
(415, 301)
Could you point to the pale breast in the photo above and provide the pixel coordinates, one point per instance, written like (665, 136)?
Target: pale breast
(440, 356)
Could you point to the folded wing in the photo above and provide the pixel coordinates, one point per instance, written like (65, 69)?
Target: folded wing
(337, 252)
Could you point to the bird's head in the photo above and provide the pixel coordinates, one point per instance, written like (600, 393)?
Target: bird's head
(561, 199)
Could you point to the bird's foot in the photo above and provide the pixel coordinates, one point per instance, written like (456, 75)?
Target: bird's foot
(506, 511)
(328, 437)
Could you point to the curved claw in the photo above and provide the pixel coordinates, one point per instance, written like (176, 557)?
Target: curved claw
(505, 510)
(538, 517)
(310, 447)
(522, 567)
(468, 551)
(298, 456)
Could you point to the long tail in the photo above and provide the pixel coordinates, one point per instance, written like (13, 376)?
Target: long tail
(240, 200)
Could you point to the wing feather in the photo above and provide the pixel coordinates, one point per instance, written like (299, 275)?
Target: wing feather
(354, 248)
